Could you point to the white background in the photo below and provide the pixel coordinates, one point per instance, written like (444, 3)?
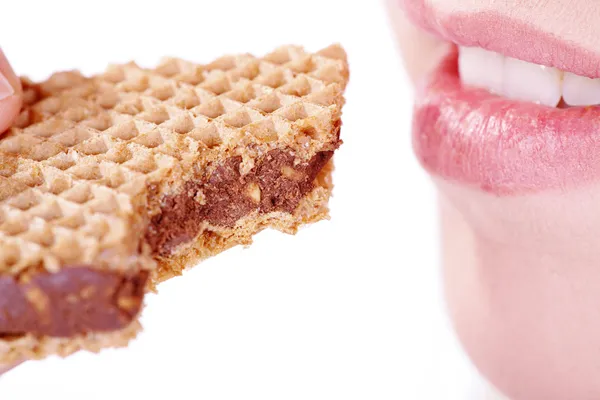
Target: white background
(347, 309)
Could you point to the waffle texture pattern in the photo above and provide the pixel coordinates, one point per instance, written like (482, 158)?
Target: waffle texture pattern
(90, 161)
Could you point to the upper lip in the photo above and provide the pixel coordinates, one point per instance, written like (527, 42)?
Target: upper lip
(508, 36)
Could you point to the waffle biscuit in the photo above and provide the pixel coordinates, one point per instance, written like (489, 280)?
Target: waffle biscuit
(111, 184)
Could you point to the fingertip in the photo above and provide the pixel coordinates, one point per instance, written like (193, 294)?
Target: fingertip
(7, 72)
(10, 94)
(9, 110)
(5, 369)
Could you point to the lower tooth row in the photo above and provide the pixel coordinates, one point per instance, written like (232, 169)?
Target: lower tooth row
(521, 80)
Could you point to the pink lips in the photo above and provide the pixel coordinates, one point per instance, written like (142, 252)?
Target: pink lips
(502, 146)
(499, 145)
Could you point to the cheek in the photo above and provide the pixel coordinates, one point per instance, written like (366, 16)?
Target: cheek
(420, 51)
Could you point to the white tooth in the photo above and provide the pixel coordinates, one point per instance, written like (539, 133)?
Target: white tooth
(481, 68)
(580, 91)
(531, 82)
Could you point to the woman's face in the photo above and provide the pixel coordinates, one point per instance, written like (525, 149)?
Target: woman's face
(506, 123)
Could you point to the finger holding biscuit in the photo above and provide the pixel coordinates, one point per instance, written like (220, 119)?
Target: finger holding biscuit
(10, 95)
(5, 368)
(10, 104)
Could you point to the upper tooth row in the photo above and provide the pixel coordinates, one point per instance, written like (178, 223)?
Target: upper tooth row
(521, 80)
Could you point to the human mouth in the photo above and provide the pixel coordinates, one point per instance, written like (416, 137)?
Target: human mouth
(508, 125)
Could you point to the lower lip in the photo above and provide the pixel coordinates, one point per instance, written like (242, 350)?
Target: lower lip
(502, 146)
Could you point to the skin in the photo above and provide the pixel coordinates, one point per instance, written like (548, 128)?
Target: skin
(420, 51)
(4, 369)
(9, 109)
(9, 106)
(573, 20)
(521, 274)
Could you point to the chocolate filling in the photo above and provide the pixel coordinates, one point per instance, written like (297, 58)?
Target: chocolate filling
(80, 299)
(274, 184)
(73, 301)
